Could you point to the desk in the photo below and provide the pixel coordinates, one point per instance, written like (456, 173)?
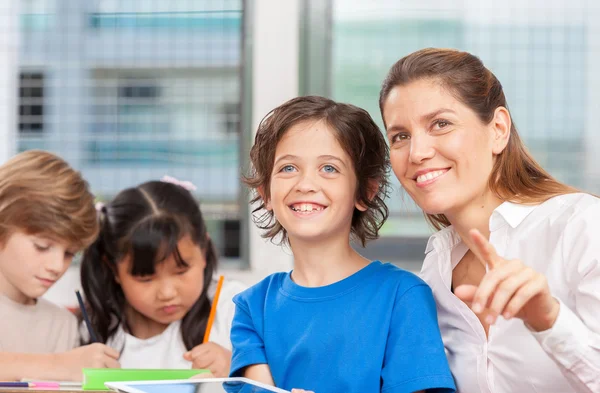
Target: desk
(39, 390)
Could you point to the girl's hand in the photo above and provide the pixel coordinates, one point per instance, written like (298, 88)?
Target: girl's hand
(212, 357)
(510, 289)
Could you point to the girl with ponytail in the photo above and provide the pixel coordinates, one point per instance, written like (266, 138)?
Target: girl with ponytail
(148, 281)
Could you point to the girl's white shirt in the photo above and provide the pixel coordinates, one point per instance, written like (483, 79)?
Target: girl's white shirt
(558, 238)
(166, 349)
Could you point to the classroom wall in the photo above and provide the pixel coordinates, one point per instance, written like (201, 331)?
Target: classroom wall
(274, 80)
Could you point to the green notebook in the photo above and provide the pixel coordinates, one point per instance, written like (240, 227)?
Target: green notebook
(94, 378)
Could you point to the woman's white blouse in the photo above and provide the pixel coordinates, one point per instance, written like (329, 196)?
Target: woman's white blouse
(559, 238)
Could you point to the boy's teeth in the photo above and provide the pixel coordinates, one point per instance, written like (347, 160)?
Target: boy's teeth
(306, 207)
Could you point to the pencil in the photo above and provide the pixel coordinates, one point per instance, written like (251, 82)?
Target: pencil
(29, 385)
(213, 310)
(46, 385)
(14, 385)
(86, 318)
(60, 384)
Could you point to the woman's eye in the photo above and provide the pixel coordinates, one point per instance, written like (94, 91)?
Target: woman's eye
(329, 169)
(441, 123)
(400, 138)
(143, 279)
(41, 248)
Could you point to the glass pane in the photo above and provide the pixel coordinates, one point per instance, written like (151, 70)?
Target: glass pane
(129, 91)
(540, 53)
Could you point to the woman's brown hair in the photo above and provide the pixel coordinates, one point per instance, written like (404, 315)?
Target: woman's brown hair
(359, 137)
(40, 193)
(515, 176)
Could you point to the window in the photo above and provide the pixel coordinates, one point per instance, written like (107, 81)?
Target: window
(138, 103)
(31, 103)
(231, 118)
(231, 238)
(130, 91)
(544, 57)
(36, 15)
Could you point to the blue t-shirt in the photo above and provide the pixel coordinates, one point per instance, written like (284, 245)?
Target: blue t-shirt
(375, 331)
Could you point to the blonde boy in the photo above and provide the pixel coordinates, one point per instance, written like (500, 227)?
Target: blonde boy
(47, 215)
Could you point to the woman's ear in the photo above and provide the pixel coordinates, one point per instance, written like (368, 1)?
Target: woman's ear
(501, 125)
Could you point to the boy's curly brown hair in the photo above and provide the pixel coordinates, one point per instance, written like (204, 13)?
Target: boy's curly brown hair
(359, 137)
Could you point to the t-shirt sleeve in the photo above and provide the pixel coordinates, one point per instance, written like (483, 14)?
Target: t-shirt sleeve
(415, 358)
(248, 345)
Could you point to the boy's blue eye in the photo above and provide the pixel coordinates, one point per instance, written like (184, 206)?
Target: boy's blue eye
(329, 169)
(288, 168)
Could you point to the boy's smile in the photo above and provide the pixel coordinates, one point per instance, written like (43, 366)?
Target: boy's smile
(307, 208)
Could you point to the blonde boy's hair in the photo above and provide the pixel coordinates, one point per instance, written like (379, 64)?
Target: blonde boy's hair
(41, 194)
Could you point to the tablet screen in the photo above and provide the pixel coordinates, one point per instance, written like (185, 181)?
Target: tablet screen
(194, 386)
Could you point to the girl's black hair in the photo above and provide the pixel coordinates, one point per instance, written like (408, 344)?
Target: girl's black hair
(146, 223)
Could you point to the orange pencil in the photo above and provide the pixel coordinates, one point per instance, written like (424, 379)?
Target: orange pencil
(213, 310)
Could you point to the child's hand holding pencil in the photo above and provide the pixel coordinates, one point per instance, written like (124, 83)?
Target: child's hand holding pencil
(208, 355)
(95, 355)
(89, 356)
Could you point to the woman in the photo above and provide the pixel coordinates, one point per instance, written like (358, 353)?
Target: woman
(514, 266)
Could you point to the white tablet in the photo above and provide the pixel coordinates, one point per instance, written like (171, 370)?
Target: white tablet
(206, 385)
